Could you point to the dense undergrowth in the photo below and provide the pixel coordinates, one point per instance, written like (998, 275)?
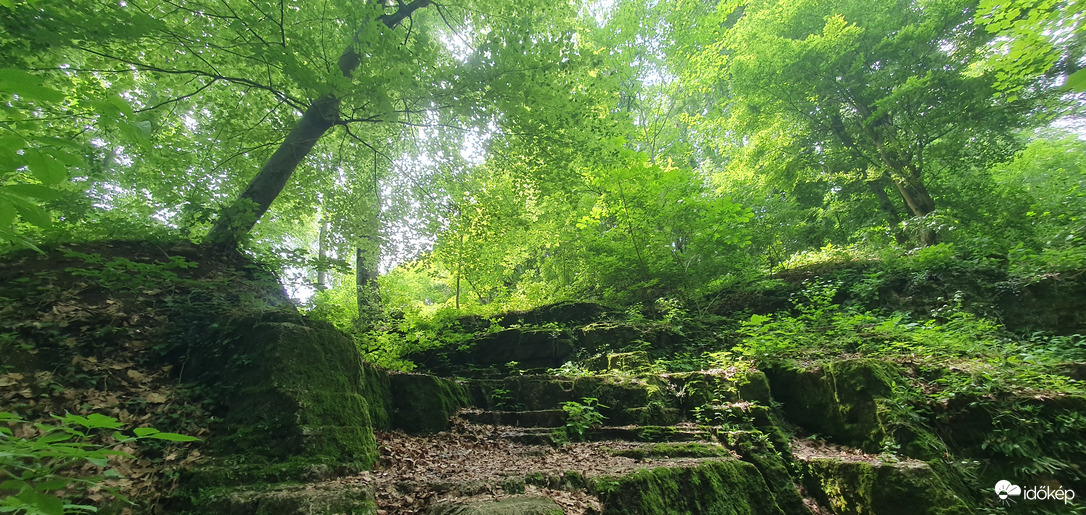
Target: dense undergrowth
(935, 306)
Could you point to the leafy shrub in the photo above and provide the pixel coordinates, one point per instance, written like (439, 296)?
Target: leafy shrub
(582, 416)
(34, 468)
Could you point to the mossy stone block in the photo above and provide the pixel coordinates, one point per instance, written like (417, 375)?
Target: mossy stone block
(839, 400)
(628, 361)
(856, 487)
(510, 506)
(299, 393)
(335, 499)
(424, 403)
(724, 487)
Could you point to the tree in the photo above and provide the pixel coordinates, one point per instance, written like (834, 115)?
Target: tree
(321, 115)
(1036, 38)
(848, 91)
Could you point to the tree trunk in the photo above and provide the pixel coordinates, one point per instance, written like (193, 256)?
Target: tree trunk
(322, 255)
(239, 217)
(879, 189)
(367, 294)
(919, 204)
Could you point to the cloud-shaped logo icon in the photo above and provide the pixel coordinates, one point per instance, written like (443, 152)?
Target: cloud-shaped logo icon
(1006, 489)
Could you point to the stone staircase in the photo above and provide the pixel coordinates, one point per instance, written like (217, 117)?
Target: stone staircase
(659, 448)
(696, 442)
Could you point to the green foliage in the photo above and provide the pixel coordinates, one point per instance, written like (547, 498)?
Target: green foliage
(125, 274)
(41, 460)
(1022, 440)
(984, 358)
(1035, 37)
(581, 416)
(570, 369)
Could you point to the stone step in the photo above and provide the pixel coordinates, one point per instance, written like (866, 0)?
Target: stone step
(538, 435)
(557, 418)
(479, 469)
(542, 392)
(531, 418)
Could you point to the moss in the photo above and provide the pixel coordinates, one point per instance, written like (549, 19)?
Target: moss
(513, 485)
(287, 500)
(532, 392)
(627, 361)
(511, 506)
(424, 403)
(653, 414)
(773, 462)
(714, 487)
(619, 394)
(299, 394)
(839, 400)
(375, 388)
(696, 389)
(669, 433)
(861, 487)
(248, 472)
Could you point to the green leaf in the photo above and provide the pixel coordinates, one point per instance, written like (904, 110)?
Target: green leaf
(98, 462)
(45, 503)
(1076, 81)
(54, 438)
(27, 86)
(32, 190)
(97, 421)
(7, 213)
(145, 432)
(31, 212)
(51, 484)
(45, 167)
(174, 437)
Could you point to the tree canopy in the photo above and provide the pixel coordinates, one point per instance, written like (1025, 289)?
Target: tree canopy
(396, 155)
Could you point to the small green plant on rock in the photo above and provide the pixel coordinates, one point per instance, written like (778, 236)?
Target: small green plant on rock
(570, 369)
(580, 416)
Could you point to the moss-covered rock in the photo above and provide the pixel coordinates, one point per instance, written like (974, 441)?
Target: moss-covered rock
(773, 461)
(424, 403)
(839, 400)
(697, 389)
(335, 499)
(530, 348)
(375, 387)
(619, 394)
(626, 361)
(1019, 436)
(855, 487)
(714, 487)
(295, 389)
(528, 392)
(677, 450)
(510, 506)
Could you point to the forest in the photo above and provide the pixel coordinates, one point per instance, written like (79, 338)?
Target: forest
(674, 186)
(501, 156)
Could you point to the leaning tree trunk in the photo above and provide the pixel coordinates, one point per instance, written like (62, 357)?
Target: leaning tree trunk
(919, 203)
(238, 218)
(878, 188)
